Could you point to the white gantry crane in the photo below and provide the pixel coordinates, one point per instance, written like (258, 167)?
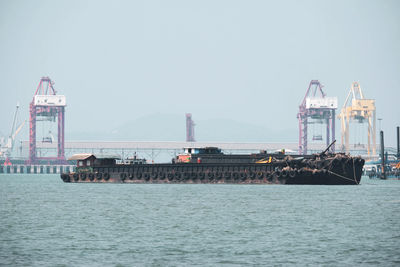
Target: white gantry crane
(6, 146)
(359, 110)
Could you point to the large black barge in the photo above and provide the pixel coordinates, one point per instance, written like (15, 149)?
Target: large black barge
(211, 166)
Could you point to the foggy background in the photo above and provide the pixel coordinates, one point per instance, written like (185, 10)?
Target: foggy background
(131, 69)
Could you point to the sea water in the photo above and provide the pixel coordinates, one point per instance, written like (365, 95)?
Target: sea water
(45, 222)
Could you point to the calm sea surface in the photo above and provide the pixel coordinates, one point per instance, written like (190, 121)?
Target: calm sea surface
(45, 222)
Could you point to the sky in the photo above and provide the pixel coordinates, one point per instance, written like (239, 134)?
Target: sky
(249, 62)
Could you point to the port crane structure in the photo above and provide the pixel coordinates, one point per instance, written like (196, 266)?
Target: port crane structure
(47, 106)
(6, 146)
(357, 108)
(316, 108)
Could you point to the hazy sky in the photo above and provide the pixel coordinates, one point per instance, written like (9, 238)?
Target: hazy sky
(249, 61)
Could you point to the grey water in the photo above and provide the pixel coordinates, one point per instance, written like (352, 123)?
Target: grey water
(45, 222)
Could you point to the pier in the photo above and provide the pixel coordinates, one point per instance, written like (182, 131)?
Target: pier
(36, 169)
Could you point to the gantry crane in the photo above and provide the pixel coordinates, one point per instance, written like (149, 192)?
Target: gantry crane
(46, 105)
(360, 110)
(321, 109)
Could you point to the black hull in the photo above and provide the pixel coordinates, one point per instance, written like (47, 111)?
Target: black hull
(334, 170)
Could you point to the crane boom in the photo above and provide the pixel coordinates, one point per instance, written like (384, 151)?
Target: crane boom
(17, 132)
(7, 148)
(14, 120)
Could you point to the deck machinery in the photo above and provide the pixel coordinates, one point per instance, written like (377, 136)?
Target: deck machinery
(316, 108)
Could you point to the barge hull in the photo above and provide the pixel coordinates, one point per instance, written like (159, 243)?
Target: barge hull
(334, 171)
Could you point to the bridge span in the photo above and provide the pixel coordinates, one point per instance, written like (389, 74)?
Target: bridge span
(157, 150)
(164, 151)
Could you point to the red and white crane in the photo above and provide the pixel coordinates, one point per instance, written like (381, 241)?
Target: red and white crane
(316, 108)
(49, 107)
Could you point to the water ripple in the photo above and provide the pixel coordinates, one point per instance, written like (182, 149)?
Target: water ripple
(45, 222)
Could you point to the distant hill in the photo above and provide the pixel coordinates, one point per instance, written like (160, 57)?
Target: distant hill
(223, 130)
(171, 127)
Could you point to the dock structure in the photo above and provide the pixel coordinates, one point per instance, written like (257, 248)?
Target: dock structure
(152, 151)
(35, 169)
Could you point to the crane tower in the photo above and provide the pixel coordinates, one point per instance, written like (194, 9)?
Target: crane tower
(49, 107)
(359, 110)
(316, 108)
(189, 128)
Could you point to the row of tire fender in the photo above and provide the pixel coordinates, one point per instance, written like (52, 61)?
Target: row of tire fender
(218, 175)
(91, 176)
(287, 172)
(191, 175)
(284, 173)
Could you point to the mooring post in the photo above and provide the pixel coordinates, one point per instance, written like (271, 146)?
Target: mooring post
(398, 142)
(383, 171)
